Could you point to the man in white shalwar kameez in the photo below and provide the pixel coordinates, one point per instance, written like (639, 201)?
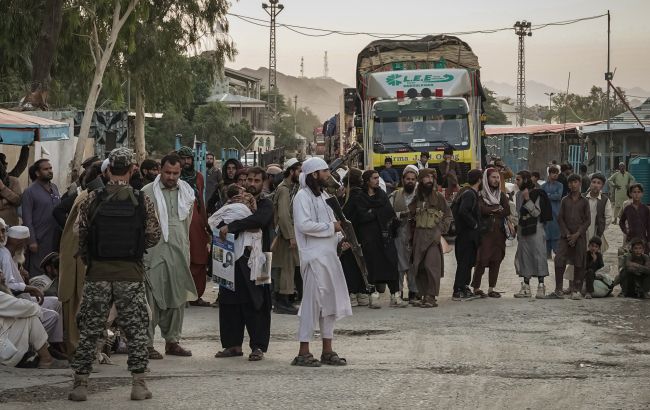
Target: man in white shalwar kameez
(325, 293)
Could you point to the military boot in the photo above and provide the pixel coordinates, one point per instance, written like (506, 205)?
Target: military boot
(80, 388)
(139, 389)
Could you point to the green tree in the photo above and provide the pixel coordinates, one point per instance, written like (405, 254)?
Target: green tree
(492, 109)
(591, 107)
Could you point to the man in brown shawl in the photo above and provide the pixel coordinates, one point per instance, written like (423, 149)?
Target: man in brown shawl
(432, 219)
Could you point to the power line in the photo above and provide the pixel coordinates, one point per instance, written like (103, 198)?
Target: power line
(320, 32)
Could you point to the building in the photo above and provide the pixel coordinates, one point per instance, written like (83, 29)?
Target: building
(619, 139)
(241, 94)
(533, 147)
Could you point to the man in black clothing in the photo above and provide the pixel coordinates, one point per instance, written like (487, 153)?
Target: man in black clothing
(466, 217)
(249, 305)
(565, 170)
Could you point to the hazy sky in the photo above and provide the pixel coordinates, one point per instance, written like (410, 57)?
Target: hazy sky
(551, 53)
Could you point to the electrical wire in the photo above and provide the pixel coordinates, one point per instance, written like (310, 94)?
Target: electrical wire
(320, 32)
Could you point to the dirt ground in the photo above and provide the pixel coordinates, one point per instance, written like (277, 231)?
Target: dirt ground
(495, 354)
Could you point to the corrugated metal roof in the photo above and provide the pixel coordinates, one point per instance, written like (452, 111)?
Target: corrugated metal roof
(642, 111)
(18, 128)
(537, 129)
(233, 100)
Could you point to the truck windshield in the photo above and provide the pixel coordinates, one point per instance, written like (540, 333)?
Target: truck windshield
(423, 131)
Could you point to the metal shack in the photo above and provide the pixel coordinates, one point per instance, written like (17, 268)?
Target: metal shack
(533, 147)
(627, 135)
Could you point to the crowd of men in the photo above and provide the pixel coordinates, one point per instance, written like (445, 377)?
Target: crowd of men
(127, 247)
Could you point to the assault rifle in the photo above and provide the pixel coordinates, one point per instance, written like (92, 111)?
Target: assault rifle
(351, 238)
(354, 150)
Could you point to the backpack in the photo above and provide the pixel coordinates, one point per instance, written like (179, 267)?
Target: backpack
(117, 227)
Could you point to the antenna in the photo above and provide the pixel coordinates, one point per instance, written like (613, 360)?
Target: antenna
(302, 67)
(326, 69)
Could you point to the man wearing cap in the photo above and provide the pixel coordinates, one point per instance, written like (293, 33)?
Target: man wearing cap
(325, 294)
(400, 200)
(14, 240)
(116, 225)
(199, 236)
(38, 203)
(432, 219)
(285, 249)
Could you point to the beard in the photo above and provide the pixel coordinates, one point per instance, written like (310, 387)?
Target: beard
(427, 188)
(19, 257)
(409, 188)
(252, 190)
(209, 164)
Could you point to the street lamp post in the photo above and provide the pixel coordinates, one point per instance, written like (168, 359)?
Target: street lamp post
(550, 104)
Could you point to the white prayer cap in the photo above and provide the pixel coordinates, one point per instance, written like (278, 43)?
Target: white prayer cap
(2, 222)
(18, 232)
(105, 165)
(411, 168)
(314, 164)
(290, 162)
(311, 165)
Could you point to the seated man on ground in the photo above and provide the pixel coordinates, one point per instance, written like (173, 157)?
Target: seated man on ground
(20, 324)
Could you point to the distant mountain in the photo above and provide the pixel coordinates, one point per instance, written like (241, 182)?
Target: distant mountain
(321, 95)
(534, 91)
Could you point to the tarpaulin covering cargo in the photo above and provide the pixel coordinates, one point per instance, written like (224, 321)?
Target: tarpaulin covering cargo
(427, 52)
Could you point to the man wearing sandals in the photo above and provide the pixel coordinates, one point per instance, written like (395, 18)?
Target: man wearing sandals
(432, 219)
(494, 208)
(325, 294)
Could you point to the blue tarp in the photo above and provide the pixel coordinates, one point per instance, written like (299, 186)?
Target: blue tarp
(17, 128)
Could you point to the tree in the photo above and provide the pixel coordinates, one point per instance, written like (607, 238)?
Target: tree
(492, 110)
(157, 63)
(592, 107)
(105, 20)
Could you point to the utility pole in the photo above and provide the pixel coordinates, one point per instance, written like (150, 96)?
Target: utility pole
(272, 10)
(522, 29)
(609, 76)
(550, 105)
(302, 67)
(326, 69)
(295, 115)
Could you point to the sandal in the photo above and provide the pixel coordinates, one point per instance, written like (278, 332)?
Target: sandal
(493, 294)
(479, 292)
(174, 349)
(154, 354)
(305, 361)
(229, 352)
(332, 359)
(256, 355)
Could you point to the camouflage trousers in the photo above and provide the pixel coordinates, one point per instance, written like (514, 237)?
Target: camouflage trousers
(132, 318)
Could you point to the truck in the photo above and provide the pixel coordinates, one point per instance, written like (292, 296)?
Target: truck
(415, 96)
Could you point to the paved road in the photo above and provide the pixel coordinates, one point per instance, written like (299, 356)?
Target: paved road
(500, 354)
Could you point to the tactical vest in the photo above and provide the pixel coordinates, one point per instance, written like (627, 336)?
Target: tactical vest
(600, 214)
(117, 226)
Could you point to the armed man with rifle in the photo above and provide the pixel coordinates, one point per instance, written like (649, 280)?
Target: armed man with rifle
(325, 294)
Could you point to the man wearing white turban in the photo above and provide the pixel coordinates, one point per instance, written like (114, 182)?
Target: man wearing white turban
(325, 294)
